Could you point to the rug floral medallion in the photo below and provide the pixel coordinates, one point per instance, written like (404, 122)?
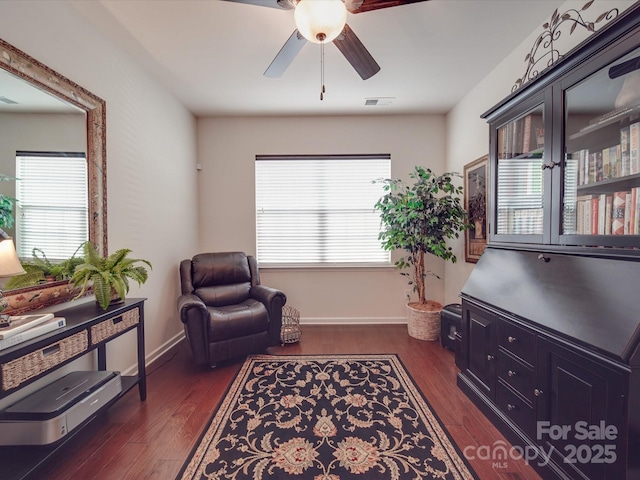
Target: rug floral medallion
(321, 417)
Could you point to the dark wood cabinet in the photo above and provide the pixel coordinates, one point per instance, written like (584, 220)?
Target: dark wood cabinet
(480, 348)
(552, 396)
(588, 397)
(88, 328)
(550, 334)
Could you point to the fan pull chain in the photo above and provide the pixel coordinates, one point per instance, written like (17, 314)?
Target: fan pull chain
(322, 90)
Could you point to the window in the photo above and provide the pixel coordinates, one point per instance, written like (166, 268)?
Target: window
(319, 210)
(52, 207)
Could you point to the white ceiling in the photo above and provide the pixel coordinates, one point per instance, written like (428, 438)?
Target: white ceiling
(211, 54)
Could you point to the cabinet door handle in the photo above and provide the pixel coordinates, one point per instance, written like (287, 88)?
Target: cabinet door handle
(512, 373)
(490, 357)
(544, 258)
(537, 392)
(550, 166)
(511, 339)
(510, 407)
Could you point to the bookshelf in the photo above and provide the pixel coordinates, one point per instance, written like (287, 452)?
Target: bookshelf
(565, 156)
(550, 328)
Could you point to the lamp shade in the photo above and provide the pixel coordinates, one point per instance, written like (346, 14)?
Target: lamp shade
(9, 262)
(320, 21)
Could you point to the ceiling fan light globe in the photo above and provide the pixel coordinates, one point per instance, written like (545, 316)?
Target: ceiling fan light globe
(320, 21)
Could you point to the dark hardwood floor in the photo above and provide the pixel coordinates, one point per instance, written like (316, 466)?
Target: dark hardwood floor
(151, 440)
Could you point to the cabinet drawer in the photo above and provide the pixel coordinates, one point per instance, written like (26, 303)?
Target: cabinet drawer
(516, 374)
(113, 326)
(21, 369)
(515, 408)
(517, 340)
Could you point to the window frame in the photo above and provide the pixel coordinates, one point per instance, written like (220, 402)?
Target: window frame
(384, 264)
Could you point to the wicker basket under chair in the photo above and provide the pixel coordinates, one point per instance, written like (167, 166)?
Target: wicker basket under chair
(424, 324)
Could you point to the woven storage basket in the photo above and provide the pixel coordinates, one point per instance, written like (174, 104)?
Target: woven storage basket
(290, 332)
(424, 324)
(18, 371)
(112, 326)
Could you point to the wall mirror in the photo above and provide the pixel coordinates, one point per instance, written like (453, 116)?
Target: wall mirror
(52, 114)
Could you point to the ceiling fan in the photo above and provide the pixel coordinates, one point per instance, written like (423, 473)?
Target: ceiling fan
(315, 27)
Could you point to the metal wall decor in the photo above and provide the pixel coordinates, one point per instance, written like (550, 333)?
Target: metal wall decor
(544, 53)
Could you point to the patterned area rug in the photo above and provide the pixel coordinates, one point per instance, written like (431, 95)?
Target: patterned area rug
(321, 417)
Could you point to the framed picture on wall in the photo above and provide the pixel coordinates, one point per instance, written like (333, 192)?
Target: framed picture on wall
(475, 203)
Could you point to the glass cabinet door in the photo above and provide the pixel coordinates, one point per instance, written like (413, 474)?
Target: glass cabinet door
(602, 156)
(519, 206)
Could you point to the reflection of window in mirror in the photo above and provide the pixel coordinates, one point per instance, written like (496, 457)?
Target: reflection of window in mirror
(52, 207)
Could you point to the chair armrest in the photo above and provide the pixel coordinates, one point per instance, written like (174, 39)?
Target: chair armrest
(188, 302)
(195, 317)
(268, 295)
(273, 300)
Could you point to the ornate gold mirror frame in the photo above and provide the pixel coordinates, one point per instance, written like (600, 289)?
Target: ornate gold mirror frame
(39, 75)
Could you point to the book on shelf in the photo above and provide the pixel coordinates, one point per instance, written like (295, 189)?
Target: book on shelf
(593, 167)
(636, 218)
(632, 212)
(33, 332)
(627, 213)
(606, 164)
(586, 214)
(602, 205)
(634, 148)
(624, 150)
(20, 323)
(617, 213)
(616, 161)
(607, 214)
(526, 134)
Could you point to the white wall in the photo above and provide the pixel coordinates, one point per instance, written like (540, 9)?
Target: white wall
(227, 148)
(152, 204)
(468, 134)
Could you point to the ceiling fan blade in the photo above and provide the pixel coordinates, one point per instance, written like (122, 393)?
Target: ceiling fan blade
(281, 4)
(286, 55)
(356, 53)
(359, 6)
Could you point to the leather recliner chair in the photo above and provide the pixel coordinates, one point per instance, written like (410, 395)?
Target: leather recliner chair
(225, 310)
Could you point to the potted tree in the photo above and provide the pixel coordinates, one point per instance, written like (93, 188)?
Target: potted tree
(419, 218)
(109, 275)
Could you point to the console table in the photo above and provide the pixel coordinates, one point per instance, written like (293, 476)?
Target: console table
(88, 328)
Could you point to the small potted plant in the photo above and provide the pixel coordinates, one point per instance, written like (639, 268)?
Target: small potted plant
(419, 218)
(40, 269)
(109, 275)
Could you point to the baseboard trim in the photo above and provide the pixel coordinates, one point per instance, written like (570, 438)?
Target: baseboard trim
(353, 320)
(176, 339)
(157, 353)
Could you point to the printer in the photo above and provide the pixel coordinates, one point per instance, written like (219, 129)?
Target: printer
(52, 412)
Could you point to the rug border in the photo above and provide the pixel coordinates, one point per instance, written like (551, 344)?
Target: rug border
(249, 358)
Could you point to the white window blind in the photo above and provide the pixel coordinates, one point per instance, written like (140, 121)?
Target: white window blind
(313, 210)
(520, 196)
(52, 207)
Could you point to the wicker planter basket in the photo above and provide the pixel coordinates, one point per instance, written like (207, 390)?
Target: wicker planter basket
(424, 324)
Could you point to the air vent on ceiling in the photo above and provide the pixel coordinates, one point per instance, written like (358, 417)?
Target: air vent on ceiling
(378, 101)
(8, 101)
